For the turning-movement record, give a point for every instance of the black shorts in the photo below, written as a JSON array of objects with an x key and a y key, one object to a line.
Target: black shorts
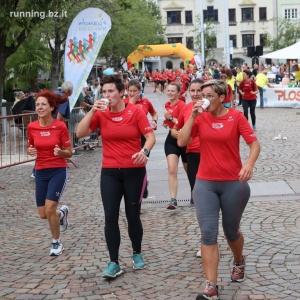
[
  {"x": 171, "y": 147},
  {"x": 161, "y": 82}
]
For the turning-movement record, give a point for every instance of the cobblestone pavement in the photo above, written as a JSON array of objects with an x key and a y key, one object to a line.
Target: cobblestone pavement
[{"x": 271, "y": 226}]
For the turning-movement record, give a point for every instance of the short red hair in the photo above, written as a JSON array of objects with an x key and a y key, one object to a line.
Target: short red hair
[{"x": 54, "y": 99}]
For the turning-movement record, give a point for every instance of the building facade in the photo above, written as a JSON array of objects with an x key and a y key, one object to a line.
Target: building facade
[{"x": 249, "y": 22}]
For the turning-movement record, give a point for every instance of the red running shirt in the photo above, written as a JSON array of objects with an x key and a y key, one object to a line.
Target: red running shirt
[
  {"x": 145, "y": 104},
  {"x": 121, "y": 135},
  {"x": 229, "y": 92},
  {"x": 247, "y": 88},
  {"x": 44, "y": 140},
  {"x": 174, "y": 111},
  {"x": 194, "y": 145},
  {"x": 220, "y": 139}
]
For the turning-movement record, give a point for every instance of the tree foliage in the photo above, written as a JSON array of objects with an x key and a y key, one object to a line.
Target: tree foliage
[
  {"x": 23, "y": 66},
  {"x": 210, "y": 36},
  {"x": 288, "y": 33},
  {"x": 141, "y": 25}
]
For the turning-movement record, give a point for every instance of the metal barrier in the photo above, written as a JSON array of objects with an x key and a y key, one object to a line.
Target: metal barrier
[{"x": 13, "y": 138}]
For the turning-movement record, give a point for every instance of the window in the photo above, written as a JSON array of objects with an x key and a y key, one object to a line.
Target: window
[
  {"x": 190, "y": 43},
  {"x": 291, "y": 13},
  {"x": 247, "y": 14},
  {"x": 232, "y": 17},
  {"x": 247, "y": 40},
  {"x": 174, "y": 40},
  {"x": 210, "y": 14},
  {"x": 233, "y": 39},
  {"x": 213, "y": 42},
  {"x": 262, "y": 14},
  {"x": 188, "y": 17},
  {"x": 262, "y": 39},
  {"x": 174, "y": 17}
]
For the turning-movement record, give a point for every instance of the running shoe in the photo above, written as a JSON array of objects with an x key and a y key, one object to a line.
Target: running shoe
[
  {"x": 75, "y": 153},
  {"x": 192, "y": 201},
  {"x": 57, "y": 249},
  {"x": 254, "y": 127},
  {"x": 32, "y": 176},
  {"x": 138, "y": 261},
  {"x": 198, "y": 253},
  {"x": 64, "y": 221},
  {"x": 210, "y": 292},
  {"x": 238, "y": 271},
  {"x": 172, "y": 204},
  {"x": 112, "y": 270},
  {"x": 145, "y": 194}
]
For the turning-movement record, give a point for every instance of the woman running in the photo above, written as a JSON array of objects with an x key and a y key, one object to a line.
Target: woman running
[
  {"x": 248, "y": 90},
  {"x": 123, "y": 172},
  {"x": 135, "y": 98},
  {"x": 172, "y": 110},
  {"x": 221, "y": 182},
  {"x": 192, "y": 149},
  {"x": 48, "y": 140}
]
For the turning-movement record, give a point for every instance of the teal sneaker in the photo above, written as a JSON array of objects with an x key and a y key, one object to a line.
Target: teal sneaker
[
  {"x": 172, "y": 204},
  {"x": 112, "y": 270},
  {"x": 138, "y": 261}
]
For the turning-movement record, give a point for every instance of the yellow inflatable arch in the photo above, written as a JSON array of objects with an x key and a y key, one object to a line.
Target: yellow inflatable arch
[{"x": 160, "y": 50}]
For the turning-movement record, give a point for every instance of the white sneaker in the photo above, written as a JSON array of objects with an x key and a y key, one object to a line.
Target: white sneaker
[
  {"x": 198, "y": 253},
  {"x": 32, "y": 176},
  {"x": 64, "y": 221},
  {"x": 57, "y": 249}
]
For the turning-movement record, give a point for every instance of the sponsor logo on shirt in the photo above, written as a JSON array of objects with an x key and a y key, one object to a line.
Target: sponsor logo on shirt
[
  {"x": 217, "y": 125},
  {"x": 45, "y": 133},
  {"x": 117, "y": 119},
  {"x": 148, "y": 128},
  {"x": 230, "y": 119},
  {"x": 170, "y": 110},
  {"x": 129, "y": 112}
]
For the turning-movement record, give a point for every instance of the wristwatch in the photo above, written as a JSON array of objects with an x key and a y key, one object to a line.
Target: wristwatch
[
  {"x": 145, "y": 151},
  {"x": 171, "y": 118}
]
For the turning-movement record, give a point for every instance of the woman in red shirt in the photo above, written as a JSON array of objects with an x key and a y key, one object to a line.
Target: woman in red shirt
[
  {"x": 48, "y": 140},
  {"x": 172, "y": 151},
  {"x": 221, "y": 182},
  {"x": 123, "y": 172},
  {"x": 248, "y": 90},
  {"x": 135, "y": 98}
]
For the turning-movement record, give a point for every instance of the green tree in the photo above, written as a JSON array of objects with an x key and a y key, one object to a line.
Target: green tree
[
  {"x": 210, "y": 36},
  {"x": 288, "y": 33},
  {"x": 141, "y": 25},
  {"x": 14, "y": 29},
  {"x": 23, "y": 66}
]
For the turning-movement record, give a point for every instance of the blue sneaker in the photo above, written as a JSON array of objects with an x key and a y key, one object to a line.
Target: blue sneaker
[
  {"x": 138, "y": 261},
  {"x": 172, "y": 204},
  {"x": 112, "y": 270}
]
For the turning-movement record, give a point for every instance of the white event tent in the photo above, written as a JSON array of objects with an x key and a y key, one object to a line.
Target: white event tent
[{"x": 290, "y": 52}]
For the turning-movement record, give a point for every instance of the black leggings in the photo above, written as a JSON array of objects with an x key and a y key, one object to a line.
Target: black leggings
[
  {"x": 193, "y": 160},
  {"x": 171, "y": 147},
  {"x": 114, "y": 184},
  {"x": 252, "y": 105}
]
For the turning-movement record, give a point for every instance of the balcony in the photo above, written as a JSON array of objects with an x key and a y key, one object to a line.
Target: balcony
[
  {"x": 172, "y": 29},
  {"x": 248, "y": 26}
]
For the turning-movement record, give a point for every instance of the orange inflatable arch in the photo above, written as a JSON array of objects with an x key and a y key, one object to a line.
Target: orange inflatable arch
[{"x": 160, "y": 50}]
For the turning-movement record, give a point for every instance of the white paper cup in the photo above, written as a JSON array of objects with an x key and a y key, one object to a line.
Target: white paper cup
[
  {"x": 105, "y": 104},
  {"x": 204, "y": 106}
]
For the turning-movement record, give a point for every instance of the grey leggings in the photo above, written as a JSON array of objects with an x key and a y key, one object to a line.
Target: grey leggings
[{"x": 211, "y": 196}]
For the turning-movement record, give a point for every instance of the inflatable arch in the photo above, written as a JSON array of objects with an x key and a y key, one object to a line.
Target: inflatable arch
[{"x": 160, "y": 50}]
